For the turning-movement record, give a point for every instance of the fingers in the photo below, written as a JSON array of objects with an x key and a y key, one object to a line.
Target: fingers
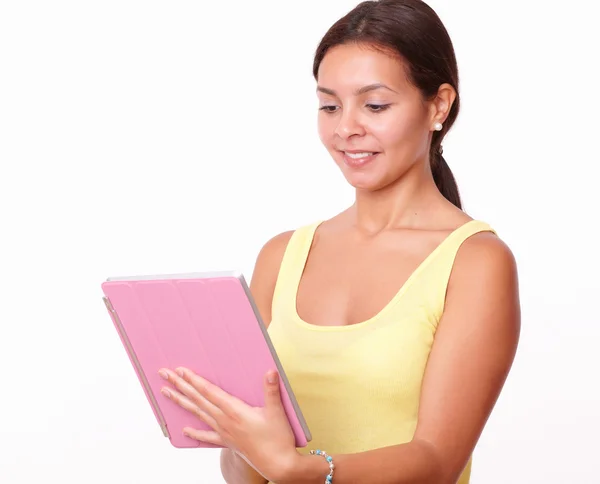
[
  {"x": 185, "y": 403},
  {"x": 189, "y": 395},
  {"x": 207, "y": 436},
  {"x": 272, "y": 392},
  {"x": 212, "y": 393}
]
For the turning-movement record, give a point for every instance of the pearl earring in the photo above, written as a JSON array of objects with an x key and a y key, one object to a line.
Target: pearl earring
[{"x": 438, "y": 126}]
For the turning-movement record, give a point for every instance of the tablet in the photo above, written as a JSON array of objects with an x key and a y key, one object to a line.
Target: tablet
[{"x": 207, "y": 322}]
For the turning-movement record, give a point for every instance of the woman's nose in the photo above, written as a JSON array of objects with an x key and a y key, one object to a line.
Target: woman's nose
[{"x": 349, "y": 125}]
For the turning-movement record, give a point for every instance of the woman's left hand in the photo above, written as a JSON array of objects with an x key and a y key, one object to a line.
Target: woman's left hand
[{"x": 260, "y": 435}]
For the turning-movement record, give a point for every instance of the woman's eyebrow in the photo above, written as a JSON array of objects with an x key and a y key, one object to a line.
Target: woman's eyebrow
[{"x": 362, "y": 90}]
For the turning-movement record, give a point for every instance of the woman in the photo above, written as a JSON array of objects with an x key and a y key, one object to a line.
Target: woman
[{"x": 397, "y": 320}]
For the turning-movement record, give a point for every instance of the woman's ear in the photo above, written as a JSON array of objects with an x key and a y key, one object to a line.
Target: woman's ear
[{"x": 441, "y": 104}]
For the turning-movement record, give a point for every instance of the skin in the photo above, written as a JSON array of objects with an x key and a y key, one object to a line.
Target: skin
[{"x": 397, "y": 219}]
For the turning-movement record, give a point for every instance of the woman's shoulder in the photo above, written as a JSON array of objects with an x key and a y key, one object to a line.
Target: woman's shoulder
[
  {"x": 477, "y": 249},
  {"x": 484, "y": 261},
  {"x": 266, "y": 270},
  {"x": 485, "y": 250},
  {"x": 480, "y": 244},
  {"x": 271, "y": 254}
]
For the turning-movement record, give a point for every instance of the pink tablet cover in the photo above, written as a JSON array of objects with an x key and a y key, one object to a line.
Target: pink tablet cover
[{"x": 205, "y": 324}]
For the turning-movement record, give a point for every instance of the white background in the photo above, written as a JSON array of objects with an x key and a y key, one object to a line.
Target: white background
[{"x": 139, "y": 137}]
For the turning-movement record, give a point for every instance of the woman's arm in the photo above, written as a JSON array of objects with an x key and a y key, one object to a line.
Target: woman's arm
[
  {"x": 234, "y": 469},
  {"x": 474, "y": 349}
]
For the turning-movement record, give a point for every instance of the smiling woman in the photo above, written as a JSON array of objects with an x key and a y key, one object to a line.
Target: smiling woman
[
  {"x": 397, "y": 320},
  {"x": 413, "y": 38}
]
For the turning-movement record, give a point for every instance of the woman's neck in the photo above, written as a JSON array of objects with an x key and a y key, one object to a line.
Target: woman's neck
[{"x": 410, "y": 202}]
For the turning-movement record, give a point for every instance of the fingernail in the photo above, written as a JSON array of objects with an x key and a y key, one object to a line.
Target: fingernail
[
  {"x": 179, "y": 371},
  {"x": 163, "y": 374},
  {"x": 272, "y": 378},
  {"x": 165, "y": 392}
]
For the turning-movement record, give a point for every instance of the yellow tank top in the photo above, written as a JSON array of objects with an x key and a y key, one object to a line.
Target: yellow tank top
[{"x": 358, "y": 386}]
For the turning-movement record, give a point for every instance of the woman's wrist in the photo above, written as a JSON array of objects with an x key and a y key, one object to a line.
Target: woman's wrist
[
  {"x": 236, "y": 470},
  {"x": 305, "y": 469},
  {"x": 228, "y": 467}
]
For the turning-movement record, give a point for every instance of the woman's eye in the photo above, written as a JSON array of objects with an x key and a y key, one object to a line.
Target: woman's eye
[
  {"x": 377, "y": 108},
  {"x": 328, "y": 109}
]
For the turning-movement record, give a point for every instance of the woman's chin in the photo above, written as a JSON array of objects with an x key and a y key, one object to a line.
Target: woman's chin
[
  {"x": 367, "y": 178},
  {"x": 364, "y": 182}
]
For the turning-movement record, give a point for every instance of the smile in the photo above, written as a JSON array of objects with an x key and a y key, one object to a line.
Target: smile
[{"x": 356, "y": 160}]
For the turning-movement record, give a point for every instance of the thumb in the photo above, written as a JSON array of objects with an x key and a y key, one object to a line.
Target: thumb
[{"x": 272, "y": 394}]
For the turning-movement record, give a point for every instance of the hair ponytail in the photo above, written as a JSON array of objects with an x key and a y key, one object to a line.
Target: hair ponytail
[{"x": 444, "y": 179}]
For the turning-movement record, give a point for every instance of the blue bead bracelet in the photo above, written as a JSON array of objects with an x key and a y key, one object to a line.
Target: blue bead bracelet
[{"x": 329, "y": 478}]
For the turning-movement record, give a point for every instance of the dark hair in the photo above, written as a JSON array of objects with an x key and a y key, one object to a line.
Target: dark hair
[{"x": 412, "y": 30}]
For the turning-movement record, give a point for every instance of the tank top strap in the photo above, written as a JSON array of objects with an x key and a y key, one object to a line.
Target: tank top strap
[
  {"x": 291, "y": 269},
  {"x": 449, "y": 248},
  {"x": 433, "y": 281}
]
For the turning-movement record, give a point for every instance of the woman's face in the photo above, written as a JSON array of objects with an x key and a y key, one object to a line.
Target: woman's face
[{"x": 373, "y": 122}]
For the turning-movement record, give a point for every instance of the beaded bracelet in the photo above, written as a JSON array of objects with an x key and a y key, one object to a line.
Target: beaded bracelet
[{"x": 328, "y": 458}]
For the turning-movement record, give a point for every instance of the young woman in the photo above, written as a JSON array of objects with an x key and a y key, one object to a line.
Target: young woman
[{"x": 397, "y": 320}]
